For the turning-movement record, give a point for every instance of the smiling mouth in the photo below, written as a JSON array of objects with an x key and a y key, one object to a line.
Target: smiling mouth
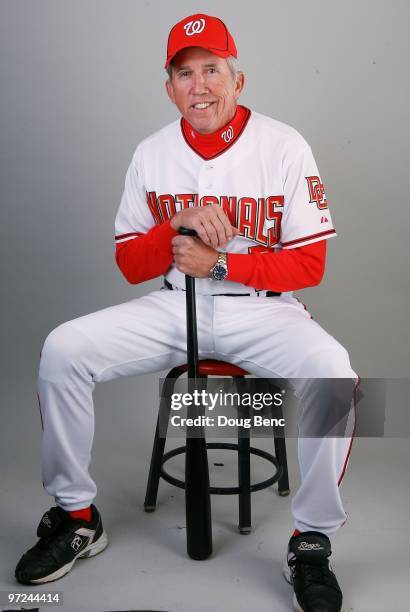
[{"x": 202, "y": 105}]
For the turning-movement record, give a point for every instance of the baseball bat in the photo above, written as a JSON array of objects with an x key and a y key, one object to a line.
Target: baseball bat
[{"x": 197, "y": 496}]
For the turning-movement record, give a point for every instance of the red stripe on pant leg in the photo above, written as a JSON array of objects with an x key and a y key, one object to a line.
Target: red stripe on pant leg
[
  {"x": 41, "y": 416},
  {"x": 354, "y": 430},
  {"x": 42, "y": 422},
  {"x": 305, "y": 307},
  {"x": 39, "y": 406}
]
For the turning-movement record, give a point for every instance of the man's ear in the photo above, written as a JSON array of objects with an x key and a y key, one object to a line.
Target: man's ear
[
  {"x": 170, "y": 90},
  {"x": 240, "y": 81}
]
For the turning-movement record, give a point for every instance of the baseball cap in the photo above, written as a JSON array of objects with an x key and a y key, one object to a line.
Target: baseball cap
[{"x": 200, "y": 31}]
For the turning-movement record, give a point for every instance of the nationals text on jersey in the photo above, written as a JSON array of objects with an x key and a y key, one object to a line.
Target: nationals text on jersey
[{"x": 246, "y": 213}]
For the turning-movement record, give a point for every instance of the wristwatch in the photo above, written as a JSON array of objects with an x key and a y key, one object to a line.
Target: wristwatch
[{"x": 220, "y": 270}]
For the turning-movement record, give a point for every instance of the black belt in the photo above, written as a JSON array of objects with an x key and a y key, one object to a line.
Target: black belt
[{"x": 257, "y": 293}]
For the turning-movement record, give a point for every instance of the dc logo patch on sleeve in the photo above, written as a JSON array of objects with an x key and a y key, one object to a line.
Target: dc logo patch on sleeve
[{"x": 317, "y": 192}]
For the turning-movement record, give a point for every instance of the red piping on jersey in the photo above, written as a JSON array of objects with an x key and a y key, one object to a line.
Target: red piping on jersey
[
  {"x": 321, "y": 234},
  {"x": 122, "y": 236},
  {"x": 209, "y": 146}
]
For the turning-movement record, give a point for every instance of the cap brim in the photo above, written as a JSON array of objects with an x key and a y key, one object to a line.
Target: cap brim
[{"x": 218, "y": 52}]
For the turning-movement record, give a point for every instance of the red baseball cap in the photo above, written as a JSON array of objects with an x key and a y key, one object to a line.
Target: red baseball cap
[{"x": 200, "y": 31}]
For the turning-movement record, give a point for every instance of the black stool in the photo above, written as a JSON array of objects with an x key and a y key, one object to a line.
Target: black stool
[{"x": 244, "y": 489}]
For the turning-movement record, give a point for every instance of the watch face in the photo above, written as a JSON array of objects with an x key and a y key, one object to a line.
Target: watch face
[{"x": 219, "y": 272}]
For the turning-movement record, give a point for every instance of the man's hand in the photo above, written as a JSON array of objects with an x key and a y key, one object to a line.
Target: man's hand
[
  {"x": 193, "y": 257},
  {"x": 210, "y": 223}
]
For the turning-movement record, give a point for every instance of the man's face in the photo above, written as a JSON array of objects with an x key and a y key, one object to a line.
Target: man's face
[{"x": 203, "y": 89}]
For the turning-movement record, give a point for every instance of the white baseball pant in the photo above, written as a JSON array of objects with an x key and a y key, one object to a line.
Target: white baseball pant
[{"x": 268, "y": 336}]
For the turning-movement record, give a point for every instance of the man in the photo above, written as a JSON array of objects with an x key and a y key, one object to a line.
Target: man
[{"x": 250, "y": 188}]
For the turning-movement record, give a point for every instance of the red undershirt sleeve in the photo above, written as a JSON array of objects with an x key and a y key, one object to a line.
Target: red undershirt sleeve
[
  {"x": 150, "y": 255},
  {"x": 147, "y": 255},
  {"x": 287, "y": 270}
]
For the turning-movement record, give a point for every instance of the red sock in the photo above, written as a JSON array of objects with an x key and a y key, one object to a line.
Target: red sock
[
  {"x": 85, "y": 514},
  {"x": 296, "y": 532}
]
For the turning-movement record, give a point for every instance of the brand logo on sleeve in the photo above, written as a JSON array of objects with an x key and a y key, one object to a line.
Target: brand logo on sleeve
[
  {"x": 194, "y": 27},
  {"x": 317, "y": 192}
]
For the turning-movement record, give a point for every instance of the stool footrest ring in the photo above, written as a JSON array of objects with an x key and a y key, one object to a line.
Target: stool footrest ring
[{"x": 225, "y": 490}]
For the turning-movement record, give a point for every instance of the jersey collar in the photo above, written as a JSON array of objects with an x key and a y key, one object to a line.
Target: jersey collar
[{"x": 209, "y": 146}]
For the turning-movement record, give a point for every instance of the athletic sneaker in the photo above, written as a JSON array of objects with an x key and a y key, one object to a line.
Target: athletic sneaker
[
  {"x": 62, "y": 541},
  {"x": 307, "y": 568}
]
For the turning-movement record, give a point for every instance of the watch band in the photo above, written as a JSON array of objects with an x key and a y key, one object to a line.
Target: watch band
[{"x": 220, "y": 269}]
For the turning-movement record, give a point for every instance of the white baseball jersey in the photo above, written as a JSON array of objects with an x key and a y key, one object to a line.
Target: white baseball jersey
[{"x": 267, "y": 182}]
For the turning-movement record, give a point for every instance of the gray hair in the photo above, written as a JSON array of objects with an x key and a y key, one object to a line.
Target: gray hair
[
  {"x": 231, "y": 61},
  {"x": 233, "y": 65}
]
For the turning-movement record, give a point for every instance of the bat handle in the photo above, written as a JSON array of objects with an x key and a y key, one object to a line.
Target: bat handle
[
  {"x": 186, "y": 231},
  {"x": 192, "y": 335}
]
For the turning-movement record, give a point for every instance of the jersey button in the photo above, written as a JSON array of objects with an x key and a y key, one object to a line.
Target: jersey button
[{"x": 209, "y": 167}]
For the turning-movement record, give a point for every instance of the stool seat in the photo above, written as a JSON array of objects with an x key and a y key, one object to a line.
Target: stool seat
[{"x": 213, "y": 367}]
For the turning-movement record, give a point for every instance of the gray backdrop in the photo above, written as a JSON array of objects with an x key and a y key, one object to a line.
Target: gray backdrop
[{"x": 83, "y": 82}]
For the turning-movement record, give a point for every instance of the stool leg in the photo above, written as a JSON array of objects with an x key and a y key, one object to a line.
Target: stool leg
[
  {"x": 244, "y": 473},
  {"x": 159, "y": 442},
  {"x": 280, "y": 452},
  {"x": 244, "y": 469}
]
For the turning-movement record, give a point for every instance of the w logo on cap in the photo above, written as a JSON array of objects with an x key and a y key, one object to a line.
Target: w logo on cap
[{"x": 194, "y": 27}]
